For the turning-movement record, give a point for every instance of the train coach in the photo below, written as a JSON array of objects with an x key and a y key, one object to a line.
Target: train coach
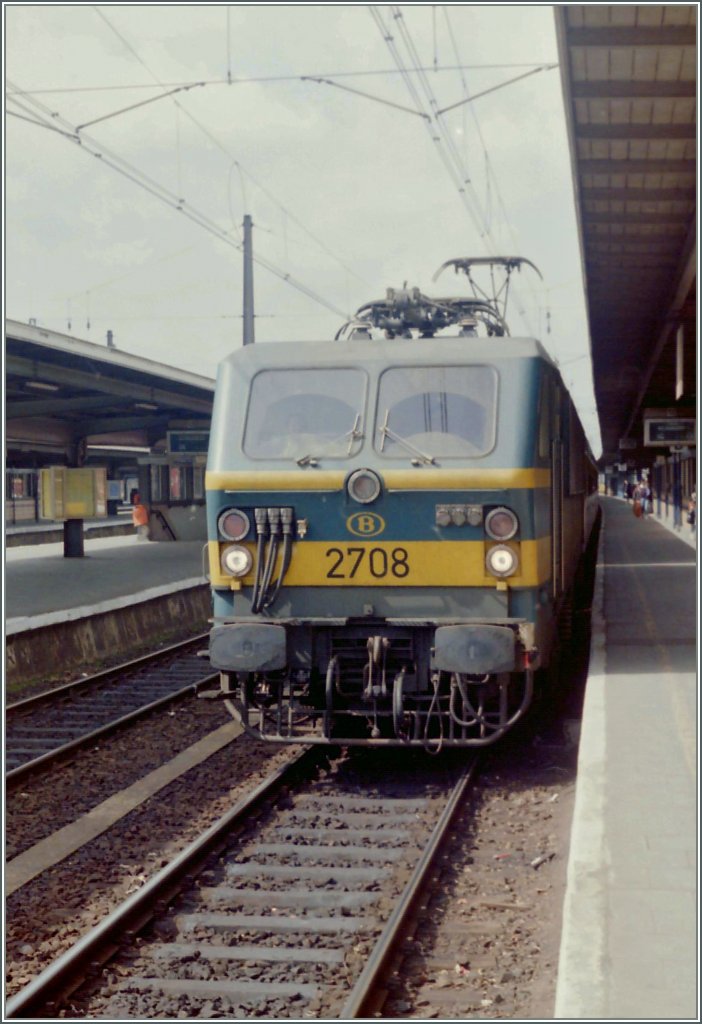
[{"x": 394, "y": 528}]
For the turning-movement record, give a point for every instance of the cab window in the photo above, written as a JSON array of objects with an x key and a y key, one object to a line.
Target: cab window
[
  {"x": 298, "y": 414},
  {"x": 436, "y": 410}
]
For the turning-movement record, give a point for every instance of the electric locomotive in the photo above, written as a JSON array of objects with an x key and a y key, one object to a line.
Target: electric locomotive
[{"x": 394, "y": 525}]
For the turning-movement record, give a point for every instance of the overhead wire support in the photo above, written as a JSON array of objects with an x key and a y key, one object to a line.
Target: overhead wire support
[
  {"x": 134, "y": 106},
  {"x": 366, "y": 95},
  {"x": 437, "y": 127},
  {"x": 160, "y": 192},
  {"x": 41, "y": 124},
  {"x": 223, "y": 149},
  {"x": 494, "y": 88},
  {"x": 437, "y": 130},
  {"x": 489, "y": 171}
]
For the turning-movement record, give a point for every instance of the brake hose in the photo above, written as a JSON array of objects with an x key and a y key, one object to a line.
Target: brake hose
[
  {"x": 286, "y": 515},
  {"x": 274, "y": 523},
  {"x": 261, "y": 523}
]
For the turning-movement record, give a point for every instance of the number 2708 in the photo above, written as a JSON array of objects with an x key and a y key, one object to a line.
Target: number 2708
[{"x": 347, "y": 562}]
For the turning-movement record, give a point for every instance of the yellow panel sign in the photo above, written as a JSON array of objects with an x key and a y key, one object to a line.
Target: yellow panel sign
[{"x": 73, "y": 493}]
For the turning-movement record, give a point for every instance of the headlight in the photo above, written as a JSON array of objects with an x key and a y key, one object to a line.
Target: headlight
[
  {"x": 501, "y": 561},
  {"x": 501, "y": 523},
  {"x": 236, "y": 560},
  {"x": 233, "y": 524},
  {"x": 364, "y": 486}
]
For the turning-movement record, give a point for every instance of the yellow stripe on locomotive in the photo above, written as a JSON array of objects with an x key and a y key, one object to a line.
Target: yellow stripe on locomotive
[{"x": 428, "y": 563}]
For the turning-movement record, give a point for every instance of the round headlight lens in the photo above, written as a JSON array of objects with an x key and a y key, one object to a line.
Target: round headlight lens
[
  {"x": 364, "y": 486},
  {"x": 236, "y": 560},
  {"x": 501, "y": 561},
  {"x": 233, "y": 524},
  {"x": 501, "y": 523}
]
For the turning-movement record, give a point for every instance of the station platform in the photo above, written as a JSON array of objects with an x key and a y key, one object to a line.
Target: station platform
[
  {"x": 44, "y": 532},
  {"x": 42, "y": 587},
  {"x": 629, "y": 948}
]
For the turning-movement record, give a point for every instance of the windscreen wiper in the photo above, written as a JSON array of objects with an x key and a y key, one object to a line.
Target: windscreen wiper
[
  {"x": 385, "y": 431},
  {"x": 354, "y": 434}
]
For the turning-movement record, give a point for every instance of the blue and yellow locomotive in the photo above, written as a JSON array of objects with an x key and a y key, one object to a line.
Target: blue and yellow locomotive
[{"x": 394, "y": 527}]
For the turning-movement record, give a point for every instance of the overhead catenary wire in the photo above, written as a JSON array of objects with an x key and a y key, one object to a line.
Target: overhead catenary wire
[
  {"x": 458, "y": 175},
  {"x": 451, "y": 157},
  {"x": 233, "y": 197},
  {"x": 130, "y": 273},
  {"x": 166, "y": 196},
  {"x": 31, "y": 120},
  {"x": 490, "y": 172},
  {"x": 223, "y": 149},
  {"x": 259, "y": 79}
]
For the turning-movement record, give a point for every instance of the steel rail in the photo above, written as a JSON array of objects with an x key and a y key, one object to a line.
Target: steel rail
[
  {"x": 362, "y": 1002},
  {"x": 22, "y": 771},
  {"x": 69, "y": 971},
  {"x": 76, "y": 685}
]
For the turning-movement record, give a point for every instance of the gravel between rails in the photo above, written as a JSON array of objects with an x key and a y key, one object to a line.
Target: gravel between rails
[
  {"x": 488, "y": 948},
  {"x": 47, "y": 915}
]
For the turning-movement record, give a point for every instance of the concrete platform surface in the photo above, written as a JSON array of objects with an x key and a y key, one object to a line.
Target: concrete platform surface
[
  {"x": 40, "y": 582},
  {"x": 44, "y": 526},
  {"x": 630, "y": 943}
]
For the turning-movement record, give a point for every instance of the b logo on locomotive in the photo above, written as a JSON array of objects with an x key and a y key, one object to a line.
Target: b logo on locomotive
[{"x": 365, "y": 524}]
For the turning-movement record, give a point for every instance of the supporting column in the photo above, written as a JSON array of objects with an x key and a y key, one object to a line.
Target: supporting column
[
  {"x": 73, "y": 538},
  {"x": 248, "y": 333}
]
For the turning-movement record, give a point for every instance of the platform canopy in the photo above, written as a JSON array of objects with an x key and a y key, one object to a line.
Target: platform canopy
[
  {"x": 63, "y": 394},
  {"x": 629, "y": 78}
]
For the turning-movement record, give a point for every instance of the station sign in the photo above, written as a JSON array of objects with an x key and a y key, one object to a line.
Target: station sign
[
  {"x": 662, "y": 432},
  {"x": 187, "y": 441}
]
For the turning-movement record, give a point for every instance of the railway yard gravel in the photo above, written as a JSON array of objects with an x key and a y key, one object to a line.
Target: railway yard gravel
[
  {"x": 47, "y": 915},
  {"x": 487, "y": 948}
]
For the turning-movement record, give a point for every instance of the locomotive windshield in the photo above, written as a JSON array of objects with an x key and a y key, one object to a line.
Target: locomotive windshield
[
  {"x": 437, "y": 411},
  {"x": 303, "y": 414}
]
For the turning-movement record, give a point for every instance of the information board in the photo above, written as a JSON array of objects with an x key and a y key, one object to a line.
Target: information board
[{"x": 669, "y": 431}]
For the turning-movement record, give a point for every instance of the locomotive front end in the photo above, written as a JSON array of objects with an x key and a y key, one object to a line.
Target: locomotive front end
[{"x": 375, "y": 570}]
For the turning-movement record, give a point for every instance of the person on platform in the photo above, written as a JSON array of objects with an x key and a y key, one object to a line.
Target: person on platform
[
  {"x": 140, "y": 515},
  {"x": 692, "y": 511}
]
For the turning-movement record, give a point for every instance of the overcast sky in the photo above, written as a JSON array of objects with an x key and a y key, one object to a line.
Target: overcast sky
[{"x": 348, "y": 195}]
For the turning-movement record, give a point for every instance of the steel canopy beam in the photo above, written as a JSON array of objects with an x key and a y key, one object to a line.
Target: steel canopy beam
[
  {"x": 608, "y": 36},
  {"x": 635, "y": 131},
  {"x": 588, "y": 165},
  {"x": 624, "y": 217},
  {"x": 32, "y": 369},
  {"x": 49, "y": 406},
  {"x": 633, "y": 90},
  {"x": 686, "y": 271},
  {"x": 682, "y": 194}
]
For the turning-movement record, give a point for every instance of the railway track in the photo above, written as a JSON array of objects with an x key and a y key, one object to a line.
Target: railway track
[
  {"x": 291, "y": 905},
  {"x": 51, "y": 725}
]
